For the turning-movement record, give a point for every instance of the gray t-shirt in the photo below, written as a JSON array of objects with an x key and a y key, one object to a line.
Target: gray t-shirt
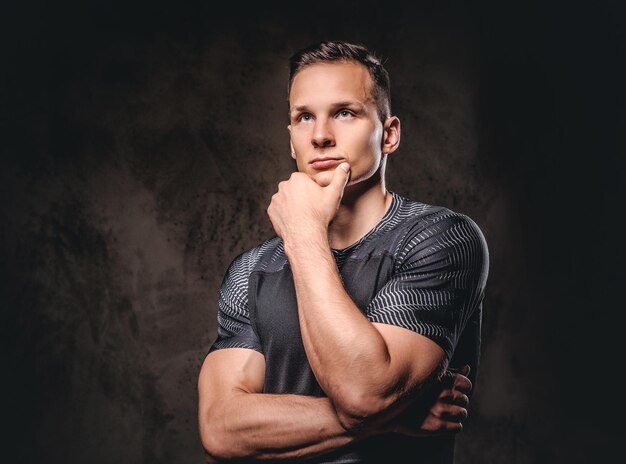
[{"x": 422, "y": 267}]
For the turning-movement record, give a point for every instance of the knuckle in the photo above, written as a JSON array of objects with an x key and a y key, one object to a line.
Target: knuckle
[
  {"x": 463, "y": 388},
  {"x": 462, "y": 382},
  {"x": 458, "y": 397},
  {"x": 449, "y": 410},
  {"x": 447, "y": 396}
]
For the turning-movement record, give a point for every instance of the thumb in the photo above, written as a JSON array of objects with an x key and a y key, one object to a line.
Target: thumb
[
  {"x": 340, "y": 176},
  {"x": 465, "y": 370}
]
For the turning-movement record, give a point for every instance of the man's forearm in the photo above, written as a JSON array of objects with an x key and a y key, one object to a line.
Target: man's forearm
[
  {"x": 347, "y": 353},
  {"x": 259, "y": 426}
]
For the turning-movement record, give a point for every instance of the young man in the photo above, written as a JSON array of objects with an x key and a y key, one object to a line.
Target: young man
[{"x": 334, "y": 335}]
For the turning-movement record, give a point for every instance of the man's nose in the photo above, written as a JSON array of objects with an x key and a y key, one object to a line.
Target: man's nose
[{"x": 323, "y": 135}]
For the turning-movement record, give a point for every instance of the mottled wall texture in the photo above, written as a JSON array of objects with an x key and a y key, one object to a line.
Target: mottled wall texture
[{"x": 142, "y": 141}]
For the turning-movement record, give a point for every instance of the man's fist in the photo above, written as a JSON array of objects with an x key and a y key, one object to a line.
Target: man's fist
[{"x": 301, "y": 208}]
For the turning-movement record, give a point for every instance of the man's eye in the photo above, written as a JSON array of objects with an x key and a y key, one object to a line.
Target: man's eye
[
  {"x": 305, "y": 117},
  {"x": 345, "y": 113}
]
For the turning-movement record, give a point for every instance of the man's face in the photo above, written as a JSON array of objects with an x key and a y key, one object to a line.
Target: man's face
[{"x": 333, "y": 118}]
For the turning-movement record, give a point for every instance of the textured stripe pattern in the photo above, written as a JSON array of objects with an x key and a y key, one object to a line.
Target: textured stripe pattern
[
  {"x": 233, "y": 317},
  {"x": 440, "y": 268},
  {"x": 439, "y": 276}
]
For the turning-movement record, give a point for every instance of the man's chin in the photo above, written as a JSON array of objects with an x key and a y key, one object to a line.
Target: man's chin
[{"x": 323, "y": 178}]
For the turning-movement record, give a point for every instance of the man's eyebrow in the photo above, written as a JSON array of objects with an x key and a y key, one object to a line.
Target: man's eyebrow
[
  {"x": 298, "y": 108},
  {"x": 340, "y": 104},
  {"x": 352, "y": 103}
]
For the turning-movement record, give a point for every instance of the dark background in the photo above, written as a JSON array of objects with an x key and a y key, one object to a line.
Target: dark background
[{"x": 142, "y": 141}]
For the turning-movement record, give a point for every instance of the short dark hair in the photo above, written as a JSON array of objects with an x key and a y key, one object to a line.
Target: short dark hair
[{"x": 331, "y": 51}]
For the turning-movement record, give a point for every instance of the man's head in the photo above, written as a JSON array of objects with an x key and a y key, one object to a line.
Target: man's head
[
  {"x": 339, "y": 112},
  {"x": 337, "y": 51}
]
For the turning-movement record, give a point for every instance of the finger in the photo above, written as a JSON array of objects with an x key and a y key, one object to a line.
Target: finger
[
  {"x": 466, "y": 370},
  {"x": 451, "y": 396},
  {"x": 434, "y": 426},
  {"x": 462, "y": 383},
  {"x": 457, "y": 397},
  {"x": 340, "y": 177},
  {"x": 450, "y": 412},
  {"x": 455, "y": 414}
]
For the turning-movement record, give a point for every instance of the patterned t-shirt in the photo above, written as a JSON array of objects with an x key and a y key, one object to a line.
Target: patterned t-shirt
[{"x": 422, "y": 267}]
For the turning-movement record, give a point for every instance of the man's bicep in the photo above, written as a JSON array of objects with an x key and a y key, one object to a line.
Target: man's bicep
[
  {"x": 225, "y": 375},
  {"x": 228, "y": 371},
  {"x": 414, "y": 358}
]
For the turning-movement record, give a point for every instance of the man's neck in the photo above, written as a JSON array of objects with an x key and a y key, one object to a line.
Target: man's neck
[{"x": 361, "y": 209}]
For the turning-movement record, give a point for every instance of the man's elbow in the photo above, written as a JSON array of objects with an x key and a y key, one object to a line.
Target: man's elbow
[
  {"x": 217, "y": 447},
  {"x": 212, "y": 446},
  {"x": 357, "y": 412}
]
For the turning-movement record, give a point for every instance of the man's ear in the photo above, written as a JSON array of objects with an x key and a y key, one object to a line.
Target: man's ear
[
  {"x": 391, "y": 135},
  {"x": 293, "y": 151}
]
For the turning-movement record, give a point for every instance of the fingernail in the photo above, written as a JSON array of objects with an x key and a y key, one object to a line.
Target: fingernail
[{"x": 345, "y": 166}]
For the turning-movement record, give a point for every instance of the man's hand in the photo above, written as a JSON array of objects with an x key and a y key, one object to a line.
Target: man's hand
[
  {"x": 446, "y": 414},
  {"x": 302, "y": 208}
]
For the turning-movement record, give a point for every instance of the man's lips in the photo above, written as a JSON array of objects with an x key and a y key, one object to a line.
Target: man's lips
[{"x": 325, "y": 163}]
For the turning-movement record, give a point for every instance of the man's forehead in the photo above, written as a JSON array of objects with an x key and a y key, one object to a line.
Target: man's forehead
[{"x": 331, "y": 83}]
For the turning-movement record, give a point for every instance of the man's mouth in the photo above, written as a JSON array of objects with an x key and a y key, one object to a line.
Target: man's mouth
[{"x": 325, "y": 162}]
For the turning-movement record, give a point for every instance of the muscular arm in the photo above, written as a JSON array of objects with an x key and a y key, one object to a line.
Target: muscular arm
[
  {"x": 237, "y": 421},
  {"x": 371, "y": 372}
]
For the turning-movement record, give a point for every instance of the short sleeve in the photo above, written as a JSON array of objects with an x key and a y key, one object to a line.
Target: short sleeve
[
  {"x": 438, "y": 280},
  {"x": 234, "y": 328}
]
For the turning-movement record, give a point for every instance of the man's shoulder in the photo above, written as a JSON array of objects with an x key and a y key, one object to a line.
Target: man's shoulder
[
  {"x": 418, "y": 218},
  {"x": 411, "y": 211},
  {"x": 441, "y": 234},
  {"x": 261, "y": 256}
]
